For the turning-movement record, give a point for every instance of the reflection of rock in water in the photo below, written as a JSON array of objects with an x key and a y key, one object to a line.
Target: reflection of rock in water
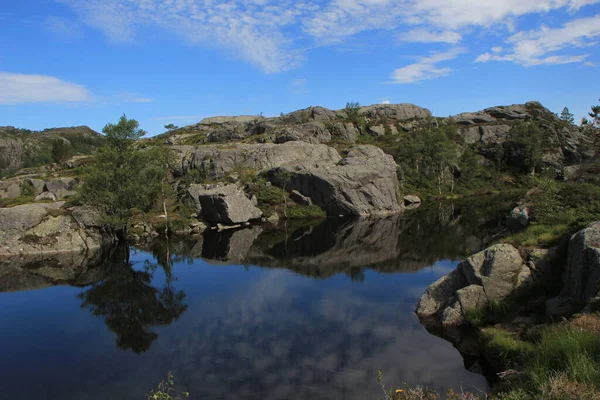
[
  {"x": 400, "y": 243},
  {"x": 39, "y": 271},
  {"x": 230, "y": 246}
]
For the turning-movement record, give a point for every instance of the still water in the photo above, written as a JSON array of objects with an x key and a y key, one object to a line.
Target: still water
[{"x": 289, "y": 313}]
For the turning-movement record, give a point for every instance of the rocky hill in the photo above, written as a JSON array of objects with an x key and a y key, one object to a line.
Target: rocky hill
[{"x": 23, "y": 148}]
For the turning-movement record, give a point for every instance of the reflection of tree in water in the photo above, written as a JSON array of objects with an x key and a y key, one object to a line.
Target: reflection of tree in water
[{"x": 130, "y": 305}]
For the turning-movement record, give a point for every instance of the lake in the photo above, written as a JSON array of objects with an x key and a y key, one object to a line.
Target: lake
[{"x": 293, "y": 312}]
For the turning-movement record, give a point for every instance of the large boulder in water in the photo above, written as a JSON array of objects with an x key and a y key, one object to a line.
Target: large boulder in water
[
  {"x": 492, "y": 274},
  {"x": 363, "y": 183},
  {"x": 226, "y": 205}
]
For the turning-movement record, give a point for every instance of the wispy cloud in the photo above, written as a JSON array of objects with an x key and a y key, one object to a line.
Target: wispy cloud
[
  {"x": 537, "y": 47},
  {"x": 422, "y": 35},
  {"x": 23, "y": 88},
  {"x": 426, "y": 67},
  {"x": 273, "y": 35},
  {"x": 385, "y": 102}
]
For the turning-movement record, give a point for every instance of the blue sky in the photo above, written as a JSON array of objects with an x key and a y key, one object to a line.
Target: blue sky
[{"x": 86, "y": 62}]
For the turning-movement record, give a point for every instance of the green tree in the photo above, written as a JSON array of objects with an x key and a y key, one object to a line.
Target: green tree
[
  {"x": 595, "y": 115},
  {"x": 352, "y": 111},
  {"x": 523, "y": 149},
  {"x": 61, "y": 151},
  {"x": 171, "y": 127},
  {"x": 124, "y": 178},
  {"x": 566, "y": 116}
]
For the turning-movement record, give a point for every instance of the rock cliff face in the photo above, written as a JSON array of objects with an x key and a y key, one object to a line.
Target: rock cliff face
[{"x": 566, "y": 144}]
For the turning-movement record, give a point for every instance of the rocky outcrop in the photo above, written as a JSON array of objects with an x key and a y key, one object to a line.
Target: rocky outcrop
[
  {"x": 564, "y": 144},
  {"x": 363, "y": 183},
  {"x": 19, "y": 146},
  {"x": 47, "y": 228},
  {"x": 49, "y": 189},
  {"x": 224, "y": 205},
  {"x": 395, "y": 112},
  {"x": 215, "y": 162},
  {"x": 490, "y": 275},
  {"x": 581, "y": 279}
]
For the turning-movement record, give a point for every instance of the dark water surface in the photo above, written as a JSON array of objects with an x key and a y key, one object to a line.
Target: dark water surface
[{"x": 262, "y": 313}]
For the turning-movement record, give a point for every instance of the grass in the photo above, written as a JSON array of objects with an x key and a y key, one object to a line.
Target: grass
[
  {"x": 543, "y": 235},
  {"x": 505, "y": 347},
  {"x": 566, "y": 350}
]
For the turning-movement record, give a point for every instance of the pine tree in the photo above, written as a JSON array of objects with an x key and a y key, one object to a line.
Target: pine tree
[{"x": 566, "y": 116}]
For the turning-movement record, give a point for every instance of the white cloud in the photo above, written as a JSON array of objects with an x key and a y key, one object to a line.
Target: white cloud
[
  {"x": 273, "y": 34},
  {"x": 426, "y": 67},
  {"x": 537, "y": 47},
  {"x": 497, "y": 49},
  {"x": 385, "y": 102},
  {"x": 22, "y": 88},
  {"x": 248, "y": 29},
  {"x": 422, "y": 35}
]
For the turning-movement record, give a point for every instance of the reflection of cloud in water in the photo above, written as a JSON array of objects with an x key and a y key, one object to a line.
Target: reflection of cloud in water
[{"x": 282, "y": 337}]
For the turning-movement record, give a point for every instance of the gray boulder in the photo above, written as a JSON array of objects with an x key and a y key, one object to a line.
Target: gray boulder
[
  {"x": 496, "y": 269},
  {"x": 439, "y": 293},
  {"x": 227, "y": 205},
  {"x": 488, "y": 275},
  {"x": 46, "y": 228},
  {"x": 345, "y": 131},
  {"x": 38, "y": 185},
  {"x": 61, "y": 187},
  {"x": 45, "y": 196},
  {"x": 363, "y": 183}
]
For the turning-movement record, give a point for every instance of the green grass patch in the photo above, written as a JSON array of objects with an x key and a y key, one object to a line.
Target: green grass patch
[
  {"x": 539, "y": 235},
  {"x": 505, "y": 347},
  {"x": 566, "y": 349}
]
